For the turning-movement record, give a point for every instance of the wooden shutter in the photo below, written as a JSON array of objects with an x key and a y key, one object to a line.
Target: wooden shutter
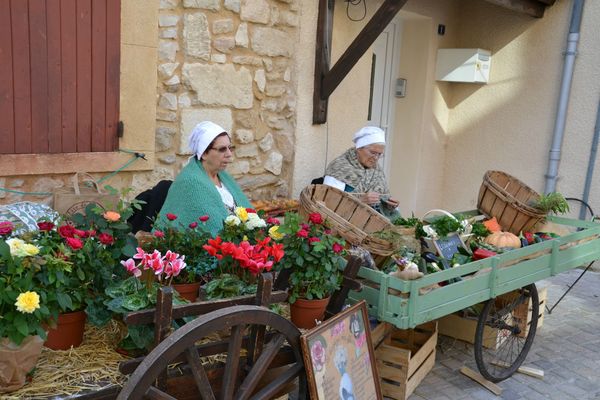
[{"x": 59, "y": 75}]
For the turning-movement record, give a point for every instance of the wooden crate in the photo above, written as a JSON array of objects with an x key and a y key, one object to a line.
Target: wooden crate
[
  {"x": 463, "y": 327},
  {"x": 403, "y": 357}
]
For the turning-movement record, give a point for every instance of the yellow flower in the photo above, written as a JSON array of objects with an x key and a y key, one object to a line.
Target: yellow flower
[
  {"x": 274, "y": 233},
  {"x": 111, "y": 216},
  {"x": 241, "y": 213},
  {"x": 30, "y": 249},
  {"x": 28, "y": 302}
]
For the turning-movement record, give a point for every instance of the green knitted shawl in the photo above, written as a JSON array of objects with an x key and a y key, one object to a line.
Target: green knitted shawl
[{"x": 193, "y": 194}]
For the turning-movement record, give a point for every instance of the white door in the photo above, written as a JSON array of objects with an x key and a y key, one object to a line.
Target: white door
[{"x": 383, "y": 66}]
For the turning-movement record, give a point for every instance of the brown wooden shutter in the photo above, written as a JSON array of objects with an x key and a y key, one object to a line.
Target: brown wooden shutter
[{"x": 59, "y": 75}]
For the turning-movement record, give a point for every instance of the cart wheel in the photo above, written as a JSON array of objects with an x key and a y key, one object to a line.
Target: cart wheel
[
  {"x": 503, "y": 336},
  {"x": 239, "y": 377}
]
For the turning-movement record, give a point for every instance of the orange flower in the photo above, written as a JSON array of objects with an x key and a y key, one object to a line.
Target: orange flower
[{"x": 111, "y": 216}]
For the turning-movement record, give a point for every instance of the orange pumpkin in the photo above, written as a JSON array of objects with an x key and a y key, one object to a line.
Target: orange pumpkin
[
  {"x": 492, "y": 225},
  {"x": 503, "y": 239}
]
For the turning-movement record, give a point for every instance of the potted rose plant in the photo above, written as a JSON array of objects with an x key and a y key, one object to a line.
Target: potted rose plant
[
  {"x": 315, "y": 258},
  {"x": 27, "y": 305}
]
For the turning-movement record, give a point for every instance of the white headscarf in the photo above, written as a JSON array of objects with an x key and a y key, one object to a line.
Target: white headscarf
[
  {"x": 369, "y": 135},
  {"x": 202, "y": 136}
]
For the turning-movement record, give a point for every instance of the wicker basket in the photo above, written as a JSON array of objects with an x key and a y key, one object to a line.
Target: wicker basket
[
  {"x": 350, "y": 218},
  {"x": 507, "y": 198}
]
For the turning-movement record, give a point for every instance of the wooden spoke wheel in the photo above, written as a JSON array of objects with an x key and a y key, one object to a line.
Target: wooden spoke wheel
[
  {"x": 262, "y": 358},
  {"x": 505, "y": 332}
]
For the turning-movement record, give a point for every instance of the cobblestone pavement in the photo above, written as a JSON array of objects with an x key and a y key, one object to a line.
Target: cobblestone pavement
[{"x": 566, "y": 348}]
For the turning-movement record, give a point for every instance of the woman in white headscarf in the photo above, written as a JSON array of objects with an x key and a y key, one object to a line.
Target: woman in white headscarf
[
  {"x": 203, "y": 188},
  {"x": 357, "y": 170}
]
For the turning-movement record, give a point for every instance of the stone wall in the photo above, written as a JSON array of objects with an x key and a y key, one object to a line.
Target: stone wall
[{"x": 230, "y": 61}]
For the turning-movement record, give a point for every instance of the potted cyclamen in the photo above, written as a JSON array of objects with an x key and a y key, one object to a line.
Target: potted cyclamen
[
  {"x": 315, "y": 258},
  {"x": 186, "y": 241}
]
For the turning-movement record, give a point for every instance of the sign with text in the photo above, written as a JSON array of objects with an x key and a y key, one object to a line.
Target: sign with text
[{"x": 448, "y": 246}]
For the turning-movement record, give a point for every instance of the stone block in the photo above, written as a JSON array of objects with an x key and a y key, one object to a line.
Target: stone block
[
  {"x": 169, "y": 160},
  {"x": 196, "y": 36},
  {"x": 168, "y": 116},
  {"x": 164, "y": 137},
  {"x": 168, "y": 101},
  {"x": 223, "y": 26},
  {"x": 167, "y": 20},
  {"x": 256, "y": 181},
  {"x": 274, "y": 163},
  {"x": 191, "y": 117},
  {"x": 206, "y": 4},
  {"x": 218, "y": 58},
  {"x": 285, "y": 144},
  {"x": 247, "y": 60},
  {"x": 220, "y": 84},
  {"x": 241, "y": 36},
  {"x": 167, "y": 70},
  {"x": 224, "y": 44},
  {"x": 266, "y": 143},
  {"x": 237, "y": 168},
  {"x": 271, "y": 42},
  {"x": 246, "y": 150},
  {"x": 167, "y": 50},
  {"x": 147, "y": 180},
  {"x": 168, "y": 4},
  {"x": 185, "y": 101},
  {"x": 232, "y": 5},
  {"x": 260, "y": 79},
  {"x": 168, "y": 33},
  {"x": 255, "y": 11},
  {"x": 275, "y": 90},
  {"x": 172, "y": 81},
  {"x": 244, "y": 136}
]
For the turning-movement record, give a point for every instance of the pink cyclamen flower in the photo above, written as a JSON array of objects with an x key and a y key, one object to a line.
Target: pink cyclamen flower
[
  {"x": 174, "y": 268},
  {"x": 159, "y": 234},
  {"x": 204, "y": 218},
  {"x": 273, "y": 221},
  {"x": 314, "y": 240},
  {"x": 193, "y": 225},
  {"x": 131, "y": 267},
  {"x": 6, "y": 228},
  {"x": 316, "y": 218},
  {"x": 302, "y": 233}
]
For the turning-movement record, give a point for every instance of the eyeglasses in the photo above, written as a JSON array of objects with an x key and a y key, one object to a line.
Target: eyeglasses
[
  {"x": 223, "y": 149},
  {"x": 373, "y": 154}
]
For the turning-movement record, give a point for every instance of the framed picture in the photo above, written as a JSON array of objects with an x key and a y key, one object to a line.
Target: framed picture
[{"x": 339, "y": 358}]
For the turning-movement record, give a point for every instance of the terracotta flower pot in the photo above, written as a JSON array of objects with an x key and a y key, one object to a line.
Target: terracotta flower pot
[
  {"x": 188, "y": 291},
  {"x": 304, "y": 312},
  {"x": 68, "y": 332},
  {"x": 17, "y": 361}
]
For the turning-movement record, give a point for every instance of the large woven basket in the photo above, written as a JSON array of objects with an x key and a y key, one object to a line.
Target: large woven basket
[
  {"x": 350, "y": 218},
  {"x": 507, "y": 198}
]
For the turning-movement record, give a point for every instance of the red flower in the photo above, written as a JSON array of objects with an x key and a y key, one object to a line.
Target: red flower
[
  {"x": 315, "y": 218},
  {"x": 171, "y": 217},
  {"x": 79, "y": 233},
  {"x": 251, "y": 210},
  {"x": 302, "y": 233},
  {"x": 66, "y": 231},
  {"x": 277, "y": 252},
  {"x": 327, "y": 231},
  {"x": 159, "y": 234},
  {"x": 203, "y": 218},
  {"x": 273, "y": 221},
  {"x": 90, "y": 233},
  {"x": 337, "y": 248},
  {"x": 106, "y": 238},
  {"x": 193, "y": 225},
  {"x": 6, "y": 228},
  {"x": 74, "y": 243},
  {"x": 313, "y": 240},
  {"x": 45, "y": 226}
]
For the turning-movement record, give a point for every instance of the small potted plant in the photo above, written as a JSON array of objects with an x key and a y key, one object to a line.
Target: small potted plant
[
  {"x": 187, "y": 241},
  {"x": 315, "y": 258},
  {"x": 27, "y": 306}
]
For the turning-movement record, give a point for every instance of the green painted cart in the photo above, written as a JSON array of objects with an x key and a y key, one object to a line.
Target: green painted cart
[{"x": 407, "y": 304}]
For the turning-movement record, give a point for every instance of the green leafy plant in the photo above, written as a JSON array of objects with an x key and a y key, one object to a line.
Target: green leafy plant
[
  {"x": 551, "y": 202},
  {"x": 411, "y": 222},
  {"x": 314, "y": 256}
]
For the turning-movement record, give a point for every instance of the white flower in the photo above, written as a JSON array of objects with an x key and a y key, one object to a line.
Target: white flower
[
  {"x": 232, "y": 220},
  {"x": 466, "y": 226},
  {"x": 254, "y": 221},
  {"x": 430, "y": 231},
  {"x": 18, "y": 248}
]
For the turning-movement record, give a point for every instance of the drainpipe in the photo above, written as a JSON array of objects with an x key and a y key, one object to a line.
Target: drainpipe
[
  {"x": 563, "y": 99},
  {"x": 591, "y": 162}
]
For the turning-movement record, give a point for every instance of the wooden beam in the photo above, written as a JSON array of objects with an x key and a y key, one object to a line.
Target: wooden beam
[
  {"x": 384, "y": 15},
  {"x": 534, "y": 8},
  {"x": 322, "y": 61}
]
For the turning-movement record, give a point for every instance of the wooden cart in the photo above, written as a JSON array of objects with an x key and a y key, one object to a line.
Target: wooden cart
[{"x": 407, "y": 304}]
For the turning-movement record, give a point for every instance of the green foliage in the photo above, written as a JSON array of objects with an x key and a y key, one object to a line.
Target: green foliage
[
  {"x": 228, "y": 285},
  {"x": 444, "y": 225},
  {"x": 314, "y": 256},
  {"x": 479, "y": 230},
  {"x": 552, "y": 202},
  {"x": 411, "y": 222}
]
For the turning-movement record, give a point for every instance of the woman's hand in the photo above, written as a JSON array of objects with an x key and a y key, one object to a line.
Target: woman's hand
[
  {"x": 370, "y": 198},
  {"x": 391, "y": 203}
]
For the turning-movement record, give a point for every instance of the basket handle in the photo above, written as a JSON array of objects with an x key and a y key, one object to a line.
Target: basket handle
[{"x": 437, "y": 210}]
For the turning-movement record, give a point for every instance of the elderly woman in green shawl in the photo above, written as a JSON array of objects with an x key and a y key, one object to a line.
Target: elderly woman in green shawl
[
  {"x": 203, "y": 187},
  {"x": 357, "y": 170}
]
